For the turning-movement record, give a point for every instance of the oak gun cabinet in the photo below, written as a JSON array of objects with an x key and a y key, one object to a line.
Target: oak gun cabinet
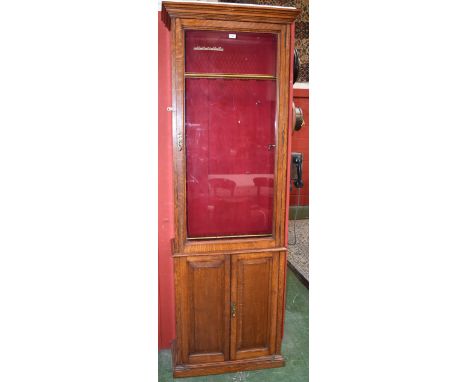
[{"x": 231, "y": 82}]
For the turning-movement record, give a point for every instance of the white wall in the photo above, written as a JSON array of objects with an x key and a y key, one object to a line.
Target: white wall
[
  {"x": 389, "y": 186},
  {"x": 159, "y": 2}
]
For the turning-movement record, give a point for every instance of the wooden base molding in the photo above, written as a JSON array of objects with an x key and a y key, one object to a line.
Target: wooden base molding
[{"x": 267, "y": 362}]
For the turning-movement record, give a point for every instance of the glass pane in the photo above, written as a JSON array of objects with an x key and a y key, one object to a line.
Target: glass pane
[
  {"x": 230, "y": 132},
  {"x": 230, "y": 52},
  {"x": 230, "y": 143}
]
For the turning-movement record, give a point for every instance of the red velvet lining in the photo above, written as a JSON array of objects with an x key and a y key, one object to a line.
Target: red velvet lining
[{"x": 230, "y": 138}]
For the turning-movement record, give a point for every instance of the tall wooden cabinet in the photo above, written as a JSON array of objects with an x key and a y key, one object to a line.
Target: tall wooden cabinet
[{"x": 231, "y": 79}]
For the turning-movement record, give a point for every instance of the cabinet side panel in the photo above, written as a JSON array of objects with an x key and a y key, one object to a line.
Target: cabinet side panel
[
  {"x": 166, "y": 306},
  {"x": 180, "y": 272},
  {"x": 280, "y": 300}
]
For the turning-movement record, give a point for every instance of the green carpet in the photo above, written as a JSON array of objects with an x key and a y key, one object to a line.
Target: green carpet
[{"x": 295, "y": 346}]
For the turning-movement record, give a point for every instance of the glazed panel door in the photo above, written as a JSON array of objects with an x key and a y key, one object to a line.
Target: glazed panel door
[
  {"x": 254, "y": 296},
  {"x": 230, "y": 133},
  {"x": 205, "y": 282}
]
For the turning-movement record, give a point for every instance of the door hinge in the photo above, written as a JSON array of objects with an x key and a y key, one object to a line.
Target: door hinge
[
  {"x": 233, "y": 309},
  {"x": 179, "y": 141}
]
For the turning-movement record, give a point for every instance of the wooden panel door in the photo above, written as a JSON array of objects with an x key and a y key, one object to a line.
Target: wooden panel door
[
  {"x": 205, "y": 314},
  {"x": 254, "y": 297}
]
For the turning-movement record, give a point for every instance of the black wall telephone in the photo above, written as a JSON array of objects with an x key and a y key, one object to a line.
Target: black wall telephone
[{"x": 296, "y": 170}]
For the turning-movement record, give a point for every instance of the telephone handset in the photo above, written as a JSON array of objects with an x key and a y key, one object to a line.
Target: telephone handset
[{"x": 296, "y": 170}]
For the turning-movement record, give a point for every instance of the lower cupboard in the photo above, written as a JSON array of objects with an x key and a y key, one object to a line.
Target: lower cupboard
[{"x": 229, "y": 312}]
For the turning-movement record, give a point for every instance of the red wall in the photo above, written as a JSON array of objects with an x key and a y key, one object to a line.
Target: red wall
[
  {"x": 300, "y": 143},
  {"x": 166, "y": 311}
]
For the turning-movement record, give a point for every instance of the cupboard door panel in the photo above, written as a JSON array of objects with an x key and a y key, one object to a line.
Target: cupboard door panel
[
  {"x": 254, "y": 305},
  {"x": 207, "y": 309}
]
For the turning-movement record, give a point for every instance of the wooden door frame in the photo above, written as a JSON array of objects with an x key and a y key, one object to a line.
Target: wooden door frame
[{"x": 277, "y": 239}]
